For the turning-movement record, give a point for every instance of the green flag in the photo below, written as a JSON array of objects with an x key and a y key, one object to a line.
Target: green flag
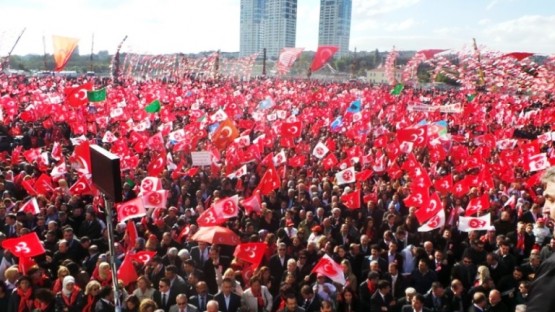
[
  {"x": 470, "y": 97},
  {"x": 397, "y": 90},
  {"x": 97, "y": 95},
  {"x": 153, "y": 107}
]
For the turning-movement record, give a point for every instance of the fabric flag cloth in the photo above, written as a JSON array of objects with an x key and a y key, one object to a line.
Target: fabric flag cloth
[
  {"x": 126, "y": 272},
  {"x": 351, "y": 200},
  {"x": 430, "y": 53},
  {"x": 97, "y": 95},
  {"x": 63, "y": 48},
  {"x": 209, "y": 218},
  {"x": 155, "y": 199},
  {"x": 252, "y": 204},
  {"x": 143, "y": 257},
  {"x": 346, "y": 176},
  {"x": 31, "y": 206},
  {"x": 150, "y": 184},
  {"x": 435, "y": 222},
  {"x": 329, "y": 268},
  {"x": 77, "y": 96},
  {"x": 251, "y": 252},
  {"x": 467, "y": 224},
  {"x": 397, "y": 89},
  {"x": 227, "y": 207},
  {"x": 519, "y": 56},
  {"x": 322, "y": 56},
  {"x": 477, "y": 204},
  {"x": 28, "y": 245},
  {"x": 132, "y": 234},
  {"x": 355, "y": 106},
  {"x": 131, "y": 209},
  {"x": 269, "y": 182},
  {"x": 320, "y": 150},
  {"x": 153, "y": 107},
  {"x": 286, "y": 58},
  {"x": 426, "y": 212}
]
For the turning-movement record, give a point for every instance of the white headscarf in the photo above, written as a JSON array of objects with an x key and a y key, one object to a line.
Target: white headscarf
[{"x": 68, "y": 279}]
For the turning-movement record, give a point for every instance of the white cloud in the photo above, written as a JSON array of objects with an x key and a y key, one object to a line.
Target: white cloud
[
  {"x": 401, "y": 26},
  {"x": 372, "y": 8}
]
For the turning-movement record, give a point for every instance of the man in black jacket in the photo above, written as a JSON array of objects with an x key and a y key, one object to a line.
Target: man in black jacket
[{"x": 227, "y": 300}]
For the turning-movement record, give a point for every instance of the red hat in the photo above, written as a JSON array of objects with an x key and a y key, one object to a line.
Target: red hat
[
  {"x": 542, "y": 220},
  {"x": 289, "y": 223},
  {"x": 316, "y": 228}
]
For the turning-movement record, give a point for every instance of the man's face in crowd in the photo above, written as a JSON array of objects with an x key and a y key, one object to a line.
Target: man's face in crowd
[{"x": 291, "y": 304}]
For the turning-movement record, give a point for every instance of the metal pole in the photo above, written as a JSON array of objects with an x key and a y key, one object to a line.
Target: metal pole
[{"x": 110, "y": 229}]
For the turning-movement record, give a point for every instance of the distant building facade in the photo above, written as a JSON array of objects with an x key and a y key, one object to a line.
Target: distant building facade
[
  {"x": 335, "y": 24},
  {"x": 270, "y": 24},
  {"x": 378, "y": 76}
]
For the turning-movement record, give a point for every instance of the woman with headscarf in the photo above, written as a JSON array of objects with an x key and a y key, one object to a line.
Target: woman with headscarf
[
  {"x": 63, "y": 271},
  {"x": 21, "y": 299},
  {"x": 70, "y": 298},
  {"x": 91, "y": 295},
  {"x": 103, "y": 274}
]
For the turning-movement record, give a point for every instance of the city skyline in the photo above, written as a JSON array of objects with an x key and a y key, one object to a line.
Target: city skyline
[{"x": 169, "y": 26}]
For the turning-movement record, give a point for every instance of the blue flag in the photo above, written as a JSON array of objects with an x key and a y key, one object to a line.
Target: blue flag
[
  {"x": 337, "y": 124},
  {"x": 213, "y": 127},
  {"x": 355, "y": 106},
  {"x": 265, "y": 104}
]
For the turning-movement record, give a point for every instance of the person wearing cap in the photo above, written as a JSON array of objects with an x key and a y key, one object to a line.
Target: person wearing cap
[
  {"x": 290, "y": 228},
  {"x": 70, "y": 298}
]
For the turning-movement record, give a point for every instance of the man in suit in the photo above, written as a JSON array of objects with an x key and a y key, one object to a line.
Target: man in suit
[
  {"x": 277, "y": 266},
  {"x": 163, "y": 296},
  {"x": 227, "y": 300},
  {"x": 382, "y": 300},
  {"x": 375, "y": 253},
  {"x": 435, "y": 300},
  {"x": 177, "y": 284},
  {"x": 291, "y": 304},
  {"x": 479, "y": 303},
  {"x": 416, "y": 305},
  {"x": 311, "y": 300},
  {"x": 398, "y": 282},
  {"x": 202, "y": 297},
  {"x": 90, "y": 227},
  {"x": 367, "y": 288},
  {"x": 213, "y": 268},
  {"x": 181, "y": 305},
  {"x": 200, "y": 254},
  {"x": 106, "y": 301}
]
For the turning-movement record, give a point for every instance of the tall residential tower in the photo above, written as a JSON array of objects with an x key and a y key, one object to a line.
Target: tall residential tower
[{"x": 335, "y": 24}]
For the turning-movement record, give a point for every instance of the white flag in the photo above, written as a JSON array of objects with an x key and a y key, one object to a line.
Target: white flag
[
  {"x": 435, "y": 222},
  {"x": 320, "y": 150},
  {"x": 467, "y": 224},
  {"x": 346, "y": 176}
]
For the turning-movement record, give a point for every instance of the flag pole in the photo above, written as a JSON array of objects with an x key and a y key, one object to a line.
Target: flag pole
[
  {"x": 92, "y": 49},
  {"x": 7, "y": 60},
  {"x": 112, "y": 251},
  {"x": 44, "y": 52}
]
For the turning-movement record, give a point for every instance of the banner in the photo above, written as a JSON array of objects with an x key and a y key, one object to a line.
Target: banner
[
  {"x": 287, "y": 57},
  {"x": 203, "y": 158}
]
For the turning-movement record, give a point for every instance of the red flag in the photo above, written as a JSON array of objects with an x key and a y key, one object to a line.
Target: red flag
[
  {"x": 291, "y": 129},
  {"x": 417, "y": 198},
  {"x": 418, "y": 136},
  {"x": 28, "y": 185},
  {"x": 150, "y": 184},
  {"x": 328, "y": 267},
  {"x": 269, "y": 182},
  {"x": 225, "y": 134},
  {"x": 27, "y": 245},
  {"x": 25, "y": 264},
  {"x": 252, "y": 204},
  {"x": 250, "y": 252},
  {"x": 131, "y": 209},
  {"x": 286, "y": 58},
  {"x": 209, "y": 218},
  {"x": 81, "y": 187},
  {"x": 329, "y": 161},
  {"x": 143, "y": 257},
  {"x": 444, "y": 184},
  {"x": 126, "y": 272},
  {"x": 296, "y": 161},
  {"x": 157, "y": 164},
  {"x": 77, "y": 96},
  {"x": 477, "y": 204},
  {"x": 31, "y": 206},
  {"x": 425, "y": 212},
  {"x": 227, "y": 207},
  {"x": 43, "y": 185},
  {"x": 132, "y": 234},
  {"x": 81, "y": 159},
  {"x": 352, "y": 200},
  {"x": 322, "y": 56},
  {"x": 31, "y": 154}
]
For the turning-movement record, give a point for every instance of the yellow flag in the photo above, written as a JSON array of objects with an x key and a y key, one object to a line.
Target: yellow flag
[{"x": 63, "y": 47}]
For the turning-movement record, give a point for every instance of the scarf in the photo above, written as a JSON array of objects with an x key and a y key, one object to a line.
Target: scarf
[
  {"x": 70, "y": 300},
  {"x": 24, "y": 299},
  {"x": 57, "y": 286},
  {"x": 41, "y": 306},
  {"x": 260, "y": 300},
  {"x": 371, "y": 287},
  {"x": 90, "y": 304}
]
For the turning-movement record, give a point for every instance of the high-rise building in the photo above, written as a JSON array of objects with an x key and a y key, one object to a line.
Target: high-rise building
[
  {"x": 270, "y": 24},
  {"x": 335, "y": 24},
  {"x": 252, "y": 14}
]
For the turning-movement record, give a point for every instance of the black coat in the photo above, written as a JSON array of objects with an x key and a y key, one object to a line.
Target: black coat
[
  {"x": 234, "y": 302},
  {"x": 540, "y": 297},
  {"x": 157, "y": 297},
  {"x": 194, "y": 300},
  {"x": 102, "y": 306},
  {"x": 379, "y": 304},
  {"x": 77, "y": 306}
]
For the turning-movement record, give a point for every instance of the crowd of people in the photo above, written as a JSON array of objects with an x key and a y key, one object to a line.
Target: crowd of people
[{"x": 388, "y": 263}]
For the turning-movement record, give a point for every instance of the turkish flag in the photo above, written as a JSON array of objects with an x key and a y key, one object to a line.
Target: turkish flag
[
  {"x": 352, "y": 200},
  {"x": 225, "y": 134},
  {"x": 59, "y": 170},
  {"x": 43, "y": 185},
  {"x": 322, "y": 56},
  {"x": 467, "y": 224},
  {"x": 477, "y": 204},
  {"x": 131, "y": 209},
  {"x": 430, "y": 209},
  {"x": 155, "y": 199},
  {"x": 31, "y": 206},
  {"x": 328, "y": 267},
  {"x": 157, "y": 164},
  {"x": 28, "y": 185},
  {"x": 143, "y": 257},
  {"x": 435, "y": 222},
  {"x": 291, "y": 130},
  {"x": 537, "y": 162},
  {"x": 269, "y": 182},
  {"x": 252, "y": 204},
  {"x": 329, "y": 161},
  {"x": 77, "y": 96},
  {"x": 250, "y": 252},
  {"x": 81, "y": 187},
  {"x": 132, "y": 234},
  {"x": 296, "y": 161},
  {"x": 27, "y": 245},
  {"x": 126, "y": 272},
  {"x": 156, "y": 142},
  {"x": 80, "y": 160},
  {"x": 227, "y": 208},
  {"x": 209, "y": 218}
]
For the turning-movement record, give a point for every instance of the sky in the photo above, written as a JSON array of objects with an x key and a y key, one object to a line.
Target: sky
[{"x": 190, "y": 26}]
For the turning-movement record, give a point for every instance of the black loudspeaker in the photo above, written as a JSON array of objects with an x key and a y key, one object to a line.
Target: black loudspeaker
[{"x": 106, "y": 174}]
